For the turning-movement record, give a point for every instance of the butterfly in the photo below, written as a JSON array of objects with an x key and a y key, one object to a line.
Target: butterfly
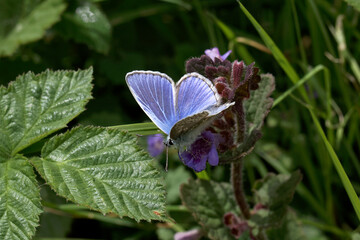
[{"x": 182, "y": 110}]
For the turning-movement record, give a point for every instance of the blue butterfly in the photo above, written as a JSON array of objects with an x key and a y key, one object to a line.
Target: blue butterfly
[{"x": 182, "y": 110}]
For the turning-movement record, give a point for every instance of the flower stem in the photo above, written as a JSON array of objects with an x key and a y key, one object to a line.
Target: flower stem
[{"x": 237, "y": 183}]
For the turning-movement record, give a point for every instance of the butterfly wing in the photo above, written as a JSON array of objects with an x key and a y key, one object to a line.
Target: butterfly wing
[
  {"x": 197, "y": 105},
  {"x": 194, "y": 94},
  {"x": 188, "y": 128},
  {"x": 155, "y": 94}
]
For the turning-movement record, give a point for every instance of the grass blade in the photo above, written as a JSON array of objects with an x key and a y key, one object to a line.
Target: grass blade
[{"x": 280, "y": 58}]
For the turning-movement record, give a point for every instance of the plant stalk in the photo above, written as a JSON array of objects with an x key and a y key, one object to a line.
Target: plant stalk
[{"x": 237, "y": 183}]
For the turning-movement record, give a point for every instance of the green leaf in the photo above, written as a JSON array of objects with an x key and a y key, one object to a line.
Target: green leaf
[
  {"x": 290, "y": 229},
  {"x": 209, "y": 201},
  {"x": 105, "y": 170},
  {"x": 259, "y": 104},
  {"x": 35, "y": 106},
  {"x": 274, "y": 193},
  {"x": 26, "y": 21},
  {"x": 354, "y": 3},
  {"x": 85, "y": 23},
  {"x": 19, "y": 199},
  {"x": 174, "y": 178}
]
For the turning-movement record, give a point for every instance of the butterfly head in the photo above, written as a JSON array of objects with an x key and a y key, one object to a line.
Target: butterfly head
[{"x": 169, "y": 142}]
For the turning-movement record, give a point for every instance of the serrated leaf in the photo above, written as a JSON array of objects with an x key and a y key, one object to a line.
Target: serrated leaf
[
  {"x": 274, "y": 192},
  {"x": 85, "y": 23},
  {"x": 26, "y": 21},
  {"x": 209, "y": 201},
  {"x": 35, "y": 106},
  {"x": 258, "y": 105},
  {"x": 105, "y": 170},
  {"x": 354, "y": 3},
  {"x": 19, "y": 199}
]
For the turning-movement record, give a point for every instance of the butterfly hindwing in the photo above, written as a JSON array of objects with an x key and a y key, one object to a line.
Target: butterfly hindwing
[
  {"x": 188, "y": 125},
  {"x": 154, "y": 92}
]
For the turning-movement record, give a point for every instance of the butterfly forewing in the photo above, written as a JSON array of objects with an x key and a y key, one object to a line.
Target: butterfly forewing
[
  {"x": 194, "y": 94},
  {"x": 154, "y": 92}
]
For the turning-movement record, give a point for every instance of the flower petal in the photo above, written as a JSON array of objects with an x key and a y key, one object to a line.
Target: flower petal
[
  {"x": 155, "y": 144},
  {"x": 213, "y": 157},
  {"x": 213, "y": 53},
  {"x": 188, "y": 235},
  {"x": 223, "y": 57}
]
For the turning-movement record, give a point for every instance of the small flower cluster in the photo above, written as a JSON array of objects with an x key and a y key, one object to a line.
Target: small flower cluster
[
  {"x": 237, "y": 226},
  {"x": 203, "y": 150},
  {"x": 233, "y": 81}
]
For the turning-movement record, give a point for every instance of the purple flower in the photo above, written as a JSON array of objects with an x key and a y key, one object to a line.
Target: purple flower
[
  {"x": 155, "y": 144},
  {"x": 189, "y": 235},
  {"x": 236, "y": 225},
  {"x": 214, "y": 53},
  {"x": 201, "y": 151}
]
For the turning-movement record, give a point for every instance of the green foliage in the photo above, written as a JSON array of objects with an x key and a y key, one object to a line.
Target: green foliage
[
  {"x": 165, "y": 234},
  {"x": 354, "y": 3},
  {"x": 289, "y": 229},
  {"x": 355, "y": 236},
  {"x": 274, "y": 193},
  {"x": 104, "y": 170},
  {"x": 209, "y": 201},
  {"x": 257, "y": 107},
  {"x": 145, "y": 34},
  {"x": 293, "y": 76},
  {"x": 174, "y": 178},
  {"x": 35, "y": 106},
  {"x": 19, "y": 198},
  {"x": 85, "y": 23},
  {"x": 31, "y": 108},
  {"x": 26, "y": 21}
]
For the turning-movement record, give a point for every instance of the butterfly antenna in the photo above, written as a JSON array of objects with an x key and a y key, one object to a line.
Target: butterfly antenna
[{"x": 167, "y": 158}]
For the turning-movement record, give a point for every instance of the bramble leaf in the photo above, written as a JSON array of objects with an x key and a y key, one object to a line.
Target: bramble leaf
[
  {"x": 105, "y": 170},
  {"x": 34, "y": 106},
  {"x": 19, "y": 199},
  {"x": 26, "y": 21},
  {"x": 209, "y": 201},
  {"x": 85, "y": 23}
]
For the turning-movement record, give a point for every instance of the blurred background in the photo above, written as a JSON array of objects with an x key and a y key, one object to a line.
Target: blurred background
[{"x": 116, "y": 37}]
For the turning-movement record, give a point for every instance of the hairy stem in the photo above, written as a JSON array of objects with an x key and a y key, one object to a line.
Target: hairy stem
[{"x": 237, "y": 183}]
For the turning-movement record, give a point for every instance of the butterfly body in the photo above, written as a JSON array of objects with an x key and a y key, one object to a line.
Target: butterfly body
[{"x": 182, "y": 110}]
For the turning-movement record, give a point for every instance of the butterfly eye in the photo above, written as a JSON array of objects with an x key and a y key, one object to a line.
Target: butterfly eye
[{"x": 169, "y": 142}]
